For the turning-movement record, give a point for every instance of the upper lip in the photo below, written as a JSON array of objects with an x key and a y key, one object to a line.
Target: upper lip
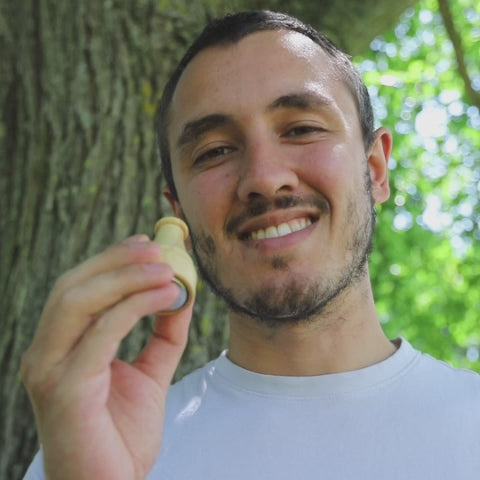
[{"x": 274, "y": 218}]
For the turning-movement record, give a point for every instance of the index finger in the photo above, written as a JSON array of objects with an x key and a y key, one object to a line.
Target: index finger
[{"x": 136, "y": 249}]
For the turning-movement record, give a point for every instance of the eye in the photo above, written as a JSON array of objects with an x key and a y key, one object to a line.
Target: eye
[
  {"x": 212, "y": 154},
  {"x": 303, "y": 130}
]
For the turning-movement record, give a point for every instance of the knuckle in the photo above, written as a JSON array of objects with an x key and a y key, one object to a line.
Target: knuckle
[
  {"x": 61, "y": 290},
  {"x": 70, "y": 299},
  {"x": 39, "y": 385},
  {"x": 64, "y": 281}
]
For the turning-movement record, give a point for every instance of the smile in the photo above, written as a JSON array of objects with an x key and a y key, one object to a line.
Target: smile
[{"x": 281, "y": 230}]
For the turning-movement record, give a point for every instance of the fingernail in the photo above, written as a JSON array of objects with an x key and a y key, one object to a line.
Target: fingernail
[
  {"x": 140, "y": 238},
  {"x": 155, "y": 267}
]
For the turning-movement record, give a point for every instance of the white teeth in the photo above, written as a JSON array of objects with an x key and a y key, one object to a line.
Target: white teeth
[
  {"x": 295, "y": 225},
  {"x": 271, "y": 232},
  {"x": 281, "y": 230}
]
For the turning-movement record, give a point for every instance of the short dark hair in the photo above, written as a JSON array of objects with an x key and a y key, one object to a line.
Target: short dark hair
[{"x": 233, "y": 28}]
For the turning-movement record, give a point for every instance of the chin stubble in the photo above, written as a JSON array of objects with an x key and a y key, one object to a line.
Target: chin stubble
[{"x": 297, "y": 300}]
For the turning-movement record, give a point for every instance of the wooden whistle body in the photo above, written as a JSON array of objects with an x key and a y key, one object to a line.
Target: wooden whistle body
[{"x": 171, "y": 233}]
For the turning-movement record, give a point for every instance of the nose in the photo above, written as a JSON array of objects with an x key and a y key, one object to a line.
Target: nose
[{"x": 265, "y": 171}]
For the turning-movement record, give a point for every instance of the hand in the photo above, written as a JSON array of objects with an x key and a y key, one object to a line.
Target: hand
[{"x": 99, "y": 417}]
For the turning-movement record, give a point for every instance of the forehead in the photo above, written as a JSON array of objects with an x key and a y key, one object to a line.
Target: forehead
[{"x": 238, "y": 79}]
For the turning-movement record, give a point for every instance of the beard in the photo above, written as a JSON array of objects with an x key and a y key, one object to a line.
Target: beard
[{"x": 298, "y": 298}]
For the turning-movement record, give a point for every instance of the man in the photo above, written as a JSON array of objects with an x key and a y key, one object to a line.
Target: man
[{"x": 268, "y": 147}]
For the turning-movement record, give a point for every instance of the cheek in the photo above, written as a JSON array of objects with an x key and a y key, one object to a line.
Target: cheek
[
  {"x": 206, "y": 197},
  {"x": 327, "y": 168}
]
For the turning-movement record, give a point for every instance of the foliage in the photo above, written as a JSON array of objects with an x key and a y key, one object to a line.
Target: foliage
[{"x": 426, "y": 267}]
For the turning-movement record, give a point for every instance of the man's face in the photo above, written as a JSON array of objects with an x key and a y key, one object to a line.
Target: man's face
[{"x": 272, "y": 175}]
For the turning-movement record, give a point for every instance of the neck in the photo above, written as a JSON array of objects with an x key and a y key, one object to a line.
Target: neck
[{"x": 347, "y": 337}]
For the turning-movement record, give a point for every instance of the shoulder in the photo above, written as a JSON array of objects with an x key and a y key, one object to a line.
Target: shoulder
[
  {"x": 448, "y": 372},
  {"x": 446, "y": 382}
]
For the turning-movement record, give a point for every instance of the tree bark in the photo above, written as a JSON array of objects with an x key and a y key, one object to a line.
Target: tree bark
[
  {"x": 79, "y": 82},
  {"x": 351, "y": 24}
]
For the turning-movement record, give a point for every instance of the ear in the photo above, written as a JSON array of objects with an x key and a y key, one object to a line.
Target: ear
[
  {"x": 177, "y": 210},
  {"x": 174, "y": 203},
  {"x": 378, "y": 158}
]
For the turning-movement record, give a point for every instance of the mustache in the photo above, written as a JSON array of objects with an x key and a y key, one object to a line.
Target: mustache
[{"x": 262, "y": 205}]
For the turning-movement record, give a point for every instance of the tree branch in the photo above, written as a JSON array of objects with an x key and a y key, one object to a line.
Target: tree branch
[{"x": 459, "y": 51}]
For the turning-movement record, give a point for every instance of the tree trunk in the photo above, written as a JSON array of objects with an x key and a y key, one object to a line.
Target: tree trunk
[{"x": 79, "y": 82}]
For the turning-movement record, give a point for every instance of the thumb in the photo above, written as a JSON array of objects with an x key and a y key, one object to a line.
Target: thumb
[{"x": 161, "y": 356}]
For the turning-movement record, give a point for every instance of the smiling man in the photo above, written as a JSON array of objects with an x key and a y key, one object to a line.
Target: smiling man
[
  {"x": 268, "y": 147},
  {"x": 270, "y": 119}
]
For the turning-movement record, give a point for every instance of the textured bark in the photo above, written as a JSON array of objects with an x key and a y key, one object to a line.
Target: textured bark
[
  {"x": 79, "y": 82},
  {"x": 352, "y": 24}
]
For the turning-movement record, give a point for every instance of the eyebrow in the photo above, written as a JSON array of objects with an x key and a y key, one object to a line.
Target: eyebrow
[
  {"x": 203, "y": 125},
  {"x": 301, "y": 101}
]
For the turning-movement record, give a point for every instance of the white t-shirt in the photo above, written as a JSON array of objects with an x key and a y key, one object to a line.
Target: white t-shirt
[{"x": 409, "y": 417}]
